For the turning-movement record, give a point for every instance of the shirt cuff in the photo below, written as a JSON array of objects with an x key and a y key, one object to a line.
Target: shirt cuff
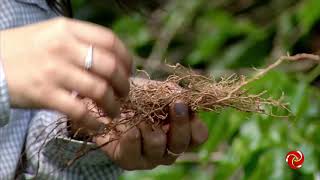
[
  {"x": 59, "y": 147},
  {"x": 73, "y": 148},
  {"x": 4, "y": 98},
  {"x": 50, "y": 151}
]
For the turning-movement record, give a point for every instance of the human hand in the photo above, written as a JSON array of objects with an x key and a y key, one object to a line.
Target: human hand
[
  {"x": 44, "y": 63},
  {"x": 143, "y": 147}
]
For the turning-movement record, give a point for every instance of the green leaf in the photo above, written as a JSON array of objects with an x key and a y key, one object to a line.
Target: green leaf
[
  {"x": 308, "y": 14},
  {"x": 310, "y": 164},
  {"x": 213, "y": 30},
  {"x": 133, "y": 30},
  {"x": 272, "y": 165},
  {"x": 250, "y": 52},
  {"x": 235, "y": 158},
  {"x": 216, "y": 132},
  {"x": 299, "y": 104},
  {"x": 286, "y": 32},
  {"x": 251, "y": 131},
  {"x": 162, "y": 172}
]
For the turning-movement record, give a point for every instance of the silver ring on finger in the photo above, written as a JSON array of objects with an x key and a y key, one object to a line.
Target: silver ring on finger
[
  {"x": 89, "y": 58},
  {"x": 87, "y": 65}
]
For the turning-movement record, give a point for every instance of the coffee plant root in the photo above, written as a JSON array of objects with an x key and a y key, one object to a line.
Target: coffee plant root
[{"x": 150, "y": 100}]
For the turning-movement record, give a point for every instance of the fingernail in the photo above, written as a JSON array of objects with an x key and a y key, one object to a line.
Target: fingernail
[{"x": 181, "y": 109}]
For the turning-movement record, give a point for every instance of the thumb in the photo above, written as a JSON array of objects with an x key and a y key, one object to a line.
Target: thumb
[
  {"x": 179, "y": 112},
  {"x": 179, "y": 131}
]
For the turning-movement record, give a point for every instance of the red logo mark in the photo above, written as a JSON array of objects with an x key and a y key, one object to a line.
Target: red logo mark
[{"x": 295, "y": 159}]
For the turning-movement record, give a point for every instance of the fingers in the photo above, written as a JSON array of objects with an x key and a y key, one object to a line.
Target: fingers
[
  {"x": 146, "y": 147},
  {"x": 111, "y": 60},
  {"x": 61, "y": 100},
  {"x": 109, "y": 145},
  {"x": 154, "y": 142},
  {"x": 105, "y": 65},
  {"x": 128, "y": 153},
  {"x": 111, "y": 63},
  {"x": 91, "y": 86},
  {"x": 129, "y": 149},
  {"x": 199, "y": 132},
  {"x": 179, "y": 132},
  {"x": 133, "y": 151},
  {"x": 103, "y": 38}
]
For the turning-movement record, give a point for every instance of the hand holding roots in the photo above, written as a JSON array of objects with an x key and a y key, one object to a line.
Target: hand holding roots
[{"x": 149, "y": 100}]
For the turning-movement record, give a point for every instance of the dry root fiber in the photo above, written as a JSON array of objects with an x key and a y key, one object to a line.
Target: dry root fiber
[{"x": 150, "y": 100}]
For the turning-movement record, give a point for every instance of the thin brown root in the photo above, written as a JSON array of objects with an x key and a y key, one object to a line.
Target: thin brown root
[{"x": 149, "y": 101}]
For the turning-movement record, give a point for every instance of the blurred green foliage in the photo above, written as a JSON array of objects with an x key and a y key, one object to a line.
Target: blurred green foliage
[{"x": 223, "y": 36}]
